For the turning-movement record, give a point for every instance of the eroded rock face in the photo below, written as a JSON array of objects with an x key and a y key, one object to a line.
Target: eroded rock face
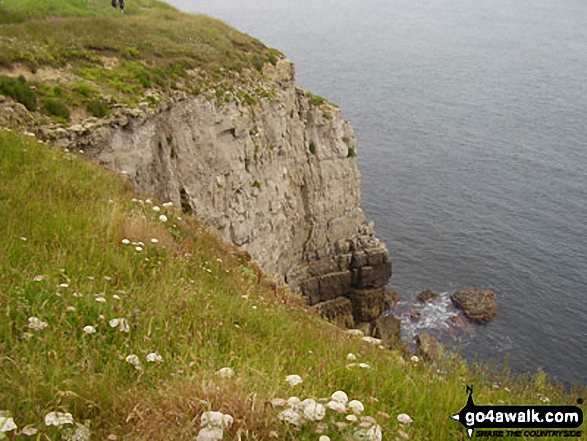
[
  {"x": 427, "y": 347},
  {"x": 477, "y": 306},
  {"x": 277, "y": 178},
  {"x": 388, "y": 329},
  {"x": 338, "y": 311}
]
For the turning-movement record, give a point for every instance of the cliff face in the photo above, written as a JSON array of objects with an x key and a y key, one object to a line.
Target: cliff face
[{"x": 277, "y": 178}]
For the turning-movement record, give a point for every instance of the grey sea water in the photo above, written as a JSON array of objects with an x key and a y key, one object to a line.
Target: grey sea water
[{"x": 472, "y": 123}]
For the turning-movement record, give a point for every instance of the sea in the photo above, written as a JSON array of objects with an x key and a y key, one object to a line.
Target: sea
[{"x": 472, "y": 126}]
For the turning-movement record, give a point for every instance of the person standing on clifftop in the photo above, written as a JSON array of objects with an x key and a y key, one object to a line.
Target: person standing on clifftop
[{"x": 120, "y": 2}]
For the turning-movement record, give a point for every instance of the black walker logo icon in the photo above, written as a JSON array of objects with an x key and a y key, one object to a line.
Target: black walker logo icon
[{"x": 517, "y": 417}]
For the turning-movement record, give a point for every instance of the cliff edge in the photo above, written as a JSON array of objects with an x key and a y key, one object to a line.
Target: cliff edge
[{"x": 268, "y": 165}]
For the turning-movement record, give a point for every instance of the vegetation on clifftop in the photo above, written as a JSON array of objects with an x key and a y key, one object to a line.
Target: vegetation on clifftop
[{"x": 76, "y": 51}]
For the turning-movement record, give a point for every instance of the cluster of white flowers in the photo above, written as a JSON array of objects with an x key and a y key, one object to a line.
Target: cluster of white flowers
[
  {"x": 58, "y": 419},
  {"x": 36, "y": 324},
  {"x": 294, "y": 380},
  {"x": 6, "y": 423},
  {"x": 301, "y": 412},
  {"x": 226, "y": 372},
  {"x": 134, "y": 360},
  {"x": 154, "y": 357},
  {"x": 89, "y": 329},
  {"x": 213, "y": 425},
  {"x": 78, "y": 432},
  {"x": 404, "y": 418},
  {"x": 372, "y": 433},
  {"x": 121, "y": 323}
]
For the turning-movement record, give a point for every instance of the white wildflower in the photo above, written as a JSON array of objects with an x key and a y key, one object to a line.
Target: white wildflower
[
  {"x": 134, "y": 360},
  {"x": 77, "y": 433},
  {"x": 153, "y": 240},
  {"x": 404, "y": 418},
  {"x": 356, "y": 406},
  {"x": 294, "y": 380},
  {"x": 312, "y": 410},
  {"x": 156, "y": 208},
  {"x": 77, "y": 294},
  {"x": 371, "y": 434},
  {"x": 293, "y": 401},
  {"x": 116, "y": 297},
  {"x": 163, "y": 218},
  {"x": 210, "y": 434},
  {"x": 125, "y": 241},
  {"x": 352, "y": 418},
  {"x": 63, "y": 285},
  {"x": 58, "y": 419},
  {"x": 340, "y": 396},
  {"x": 114, "y": 322},
  {"x": 154, "y": 357},
  {"x": 351, "y": 357},
  {"x": 29, "y": 430},
  {"x": 39, "y": 278},
  {"x": 100, "y": 300},
  {"x": 89, "y": 330},
  {"x": 36, "y": 324},
  {"x": 107, "y": 278},
  {"x": 324, "y": 438},
  {"x": 124, "y": 326},
  {"x": 364, "y": 366},
  {"x": 226, "y": 372},
  {"x": 149, "y": 201},
  {"x": 6, "y": 423},
  {"x": 139, "y": 248},
  {"x": 70, "y": 309},
  {"x": 24, "y": 239},
  {"x": 336, "y": 406},
  {"x": 415, "y": 358},
  {"x": 168, "y": 204},
  {"x": 290, "y": 416}
]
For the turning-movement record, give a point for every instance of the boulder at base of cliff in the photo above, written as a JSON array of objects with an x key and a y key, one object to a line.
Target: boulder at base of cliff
[
  {"x": 388, "y": 329},
  {"x": 478, "y": 306},
  {"x": 338, "y": 311},
  {"x": 427, "y": 347},
  {"x": 427, "y": 296}
]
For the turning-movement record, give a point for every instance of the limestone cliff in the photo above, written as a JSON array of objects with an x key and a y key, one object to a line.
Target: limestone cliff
[{"x": 276, "y": 177}]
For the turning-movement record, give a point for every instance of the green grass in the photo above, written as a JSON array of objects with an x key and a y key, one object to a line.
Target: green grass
[
  {"x": 194, "y": 301},
  {"x": 151, "y": 47}
]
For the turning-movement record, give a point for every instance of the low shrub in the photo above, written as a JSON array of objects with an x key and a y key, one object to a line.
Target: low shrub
[
  {"x": 98, "y": 108},
  {"x": 56, "y": 108},
  {"x": 19, "y": 91}
]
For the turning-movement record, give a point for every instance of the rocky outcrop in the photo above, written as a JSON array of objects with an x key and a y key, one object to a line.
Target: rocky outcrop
[
  {"x": 277, "y": 177},
  {"x": 388, "y": 329},
  {"x": 477, "y": 306},
  {"x": 338, "y": 311},
  {"x": 427, "y": 296},
  {"x": 427, "y": 347}
]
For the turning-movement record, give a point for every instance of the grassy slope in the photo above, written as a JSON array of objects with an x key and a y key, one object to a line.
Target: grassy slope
[
  {"x": 189, "y": 298},
  {"x": 197, "y": 306}
]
